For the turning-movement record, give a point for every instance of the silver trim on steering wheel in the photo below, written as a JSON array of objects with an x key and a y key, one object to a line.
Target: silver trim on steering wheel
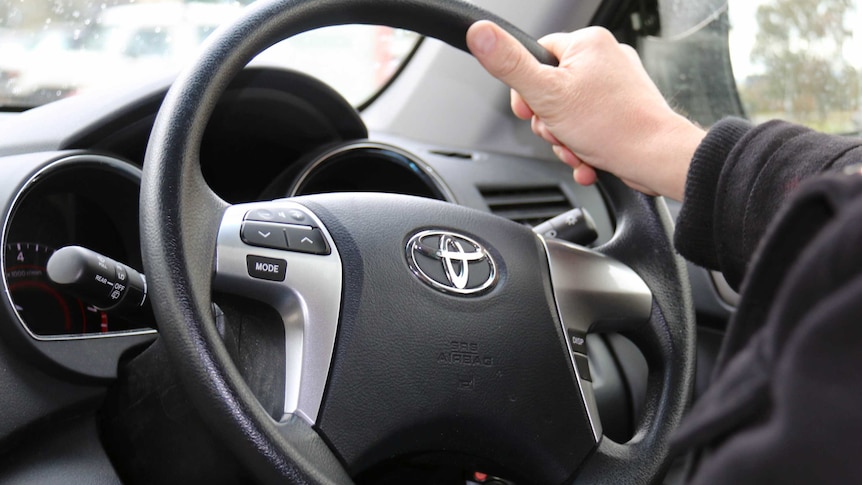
[
  {"x": 308, "y": 299},
  {"x": 591, "y": 288}
]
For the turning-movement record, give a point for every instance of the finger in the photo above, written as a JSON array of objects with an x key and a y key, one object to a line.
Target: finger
[
  {"x": 558, "y": 43},
  {"x": 566, "y": 156},
  {"x": 585, "y": 174},
  {"x": 520, "y": 107},
  {"x": 563, "y": 45},
  {"x": 541, "y": 129},
  {"x": 505, "y": 58}
]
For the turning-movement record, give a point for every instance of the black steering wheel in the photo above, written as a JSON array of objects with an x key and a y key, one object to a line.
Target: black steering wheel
[{"x": 410, "y": 326}]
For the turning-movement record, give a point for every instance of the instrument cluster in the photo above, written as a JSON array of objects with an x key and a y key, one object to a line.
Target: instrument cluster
[{"x": 88, "y": 201}]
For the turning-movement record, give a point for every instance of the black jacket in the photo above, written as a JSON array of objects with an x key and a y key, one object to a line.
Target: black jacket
[{"x": 774, "y": 207}]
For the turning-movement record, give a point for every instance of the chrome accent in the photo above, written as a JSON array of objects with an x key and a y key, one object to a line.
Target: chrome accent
[
  {"x": 454, "y": 259},
  {"x": 417, "y": 165},
  {"x": 122, "y": 168},
  {"x": 144, "y": 296},
  {"x": 591, "y": 288},
  {"x": 308, "y": 300}
]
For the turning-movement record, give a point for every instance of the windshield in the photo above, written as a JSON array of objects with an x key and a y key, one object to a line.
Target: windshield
[{"x": 51, "y": 49}]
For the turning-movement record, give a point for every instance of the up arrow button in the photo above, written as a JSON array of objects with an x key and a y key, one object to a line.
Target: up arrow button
[{"x": 306, "y": 240}]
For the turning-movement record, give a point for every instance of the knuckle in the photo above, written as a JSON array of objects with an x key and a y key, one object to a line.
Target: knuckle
[
  {"x": 630, "y": 52},
  {"x": 600, "y": 35}
]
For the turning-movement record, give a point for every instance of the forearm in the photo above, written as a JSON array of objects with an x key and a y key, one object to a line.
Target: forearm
[{"x": 695, "y": 236}]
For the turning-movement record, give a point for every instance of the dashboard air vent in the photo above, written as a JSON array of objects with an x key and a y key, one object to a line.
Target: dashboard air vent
[{"x": 527, "y": 205}]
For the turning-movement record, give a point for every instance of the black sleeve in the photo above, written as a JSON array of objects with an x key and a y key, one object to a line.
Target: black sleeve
[{"x": 739, "y": 177}]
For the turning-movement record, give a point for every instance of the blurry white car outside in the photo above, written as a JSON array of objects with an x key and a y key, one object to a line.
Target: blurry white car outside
[{"x": 99, "y": 45}]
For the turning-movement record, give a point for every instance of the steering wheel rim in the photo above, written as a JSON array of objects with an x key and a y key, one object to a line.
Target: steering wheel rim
[{"x": 179, "y": 212}]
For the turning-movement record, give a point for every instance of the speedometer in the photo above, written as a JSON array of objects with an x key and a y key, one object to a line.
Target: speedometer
[{"x": 45, "y": 309}]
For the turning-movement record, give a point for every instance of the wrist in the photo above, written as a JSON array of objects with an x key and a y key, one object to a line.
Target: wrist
[{"x": 673, "y": 149}]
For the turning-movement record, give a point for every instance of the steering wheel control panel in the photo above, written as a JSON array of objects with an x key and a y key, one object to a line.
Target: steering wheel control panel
[
  {"x": 602, "y": 290},
  {"x": 281, "y": 254},
  {"x": 291, "y": 230}
]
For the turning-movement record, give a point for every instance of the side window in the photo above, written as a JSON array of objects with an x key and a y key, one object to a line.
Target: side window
[{"x": 798, "y": 60}]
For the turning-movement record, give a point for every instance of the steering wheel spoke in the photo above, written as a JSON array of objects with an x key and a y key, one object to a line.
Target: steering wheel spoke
[
  {"x": 279, "y": 253},
  {"x": 593, "y": 292}
]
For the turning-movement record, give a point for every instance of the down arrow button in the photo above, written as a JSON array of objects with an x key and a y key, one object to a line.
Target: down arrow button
[{"x": 264, "y": 234}]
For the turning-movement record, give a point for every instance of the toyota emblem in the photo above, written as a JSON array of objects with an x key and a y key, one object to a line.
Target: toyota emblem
[{"x": 451, "y": 262}]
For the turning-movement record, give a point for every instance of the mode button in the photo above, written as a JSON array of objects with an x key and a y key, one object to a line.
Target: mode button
[{"x": 266, "y": 268}]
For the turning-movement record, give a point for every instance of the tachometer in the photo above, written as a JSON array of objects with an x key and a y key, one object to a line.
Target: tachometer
[{"x": 46, "y": 310}]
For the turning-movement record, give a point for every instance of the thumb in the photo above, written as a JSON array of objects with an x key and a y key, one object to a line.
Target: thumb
[{"x": 505, "y": 58}]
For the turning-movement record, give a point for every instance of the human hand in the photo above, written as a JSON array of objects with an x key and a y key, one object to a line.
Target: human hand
[{"x": 598, "y": 108}]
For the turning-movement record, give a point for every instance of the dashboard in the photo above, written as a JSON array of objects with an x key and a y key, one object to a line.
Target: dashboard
[{"x": 275, "y": 133}]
